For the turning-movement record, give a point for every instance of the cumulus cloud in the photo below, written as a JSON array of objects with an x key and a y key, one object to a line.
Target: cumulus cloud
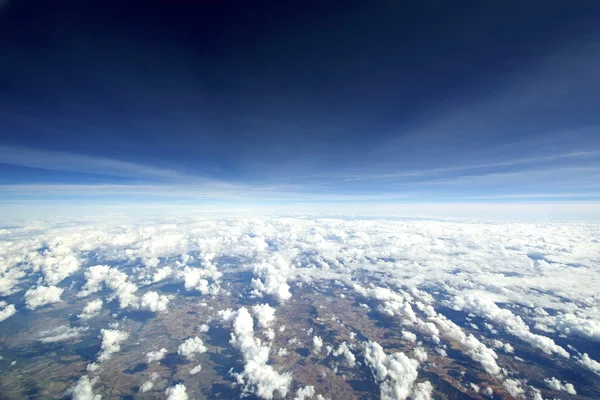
[
  {"x": 396, "y": 373},
  {"x": 152, "y": 301},
  {"x": 271, "y": 279},
  {"x": 196, "y": 369},
  {"x": 149, "y": 384},
  {"x": 161, "y": 274},
  {"x": 258, "y": 377},
  {"x": 177, "y": 392},
  {"x": 555, "y": 384},
  {"x": 514, "y": 388},
  {"x": 7, "y": 311},
  {"x": 116, "y": 280},
  {"x": 265, "y": 314},
  {"x": 590, "y": 363},
  {"x": 481, "y": 304},
  {"x": 157, "y": 355},
  {"x": 84, "y": 389},
  {"x": 91, "y": 309},
  {"x": 205, "y": 280},
  {"x": 191, "y": 347},
  {"x": 111, "y": 342},
  {"x": 343, "y": 350},
  {"x": 317, "y": 344},
  {"x": 307, "y": 392},
  {"x": 61, "y": 333},
  {"x": 42, "y": 295}
]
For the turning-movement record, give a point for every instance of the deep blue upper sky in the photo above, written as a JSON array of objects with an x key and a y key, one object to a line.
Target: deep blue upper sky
[{"x": 300, "y": 100}]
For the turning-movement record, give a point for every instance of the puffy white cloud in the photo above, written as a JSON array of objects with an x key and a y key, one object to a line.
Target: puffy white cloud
[
  {"x": 177, "y": 392},
  {"x": 307, "y": 392},
  {"x": 83, "y": 389},
  {"x": 345, "y": 351},
  {"x": 196, "y": 369},
  {"x": 317, "y": 344},
  {"x": 482, "y": 304},
  {"x": 203, "y": 328},
  {"x": 411, "y": 337},
  {"x": 555, "y": 384},
  {"x": 91, "y": 309},
  {"x": 396, "y": 373},
  {"x": 513, "y": 387},
  {"x": 157, "y": 355},
  {"x": 161, "y": 274},
  {"x": 152, "y": 301},
  {"x": 114, "y": 279},
  {"x": 61, "y": 333},
  {"x": 265, "y": 315},
  {"x": 205, "y": 280},
  {"x": 589, "y": 363},
  {"x": 271, "y": 278},
  {"x": 191, "y": 347},
  {"x": 111, "y": 342},
  {"x": 258, "y": 377},
  {"x": 42, "y": 295},
  {"x": 8, "y": 310},
  {"x": 149, "y": 384}
]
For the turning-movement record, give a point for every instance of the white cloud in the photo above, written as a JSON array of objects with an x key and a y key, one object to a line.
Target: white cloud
[
  {"x": 196, "y": 369},
  {"x": 271, "y": 278},
  {"x": 177, "y": 392},
  {"x": 152, "y": 301},
  {"x": 396, "y": 373},
  {"x": 317, "y": 344},
  {"x": 8, "y": 310},
  {"x": 191, "y": 347},
  {"x": 411, "y": 337},
  {"x": 482, "y": 304},
  {"x": 307, "y": 392},
  {"x": 61, "y": 333},
  {"x": 42, "y": 295},
  {"x": 149, "y": 384},
  {"x": 514, "y": 388},
  {"x": 265, "y": 315},
  {"x": 555, "y": 384},
  {"x": 111, "y": 342},
  {"x": 590, "y": 363},
  {"x": 345, "y": 351},
  {"x": 258, "y": 377},
  {"x": 157, "y": 355},
  {"x": 91, "y": 309},
  {"x": 84, "y": 389},
  {"x": 161, "y": 274}
]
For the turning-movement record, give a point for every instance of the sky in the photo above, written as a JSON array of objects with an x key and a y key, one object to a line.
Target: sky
[{"x": 377, "y": 103}]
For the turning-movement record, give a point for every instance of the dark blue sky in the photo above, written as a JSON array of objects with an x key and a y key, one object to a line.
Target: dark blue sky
[{"x": 300, "y": 100}]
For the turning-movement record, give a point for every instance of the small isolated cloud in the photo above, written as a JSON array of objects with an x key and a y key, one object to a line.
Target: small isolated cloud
[
  {"x": 111, "y": 342},
  {"x": 307, "y": 392},
  {"x": 149, "y": 384},
  {"x": 83, "y": 389},
  {"x": 191, "y": 347},
  {"x": 161, "y": 274},
  {"x": 196, "y": 369},
  {"x": 177, "y": 392},
  {"x": 411, "y": 337},
  {"x": 91, "y": 309},
  {"x": 61, "y": 333},
  {"x": 317, "y": 344},
  {"x": 513, "y": 387},
  {"x": 157, "y": 355},
  {"x": 42, "y": 295},
  {"x": 152, "y": 301},
  {"x": 7, "y": 311},
  {"x": 271, "y": 279},
  {"x": 555, "y": 384}
]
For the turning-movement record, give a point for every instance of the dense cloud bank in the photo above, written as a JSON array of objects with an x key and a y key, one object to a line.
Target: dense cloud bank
[{"x": 530, "y": 282}]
